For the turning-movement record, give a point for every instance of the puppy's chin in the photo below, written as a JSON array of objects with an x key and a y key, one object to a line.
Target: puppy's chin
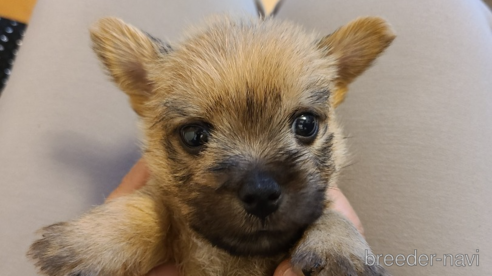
[
  {"x": 251, "y": 237},
  {"x": 264, "y": 243}
]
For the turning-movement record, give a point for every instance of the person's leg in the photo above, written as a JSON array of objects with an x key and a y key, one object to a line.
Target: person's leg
[
  {"x": 420, "y": 129},
  {"x": 67, "y": 135}
]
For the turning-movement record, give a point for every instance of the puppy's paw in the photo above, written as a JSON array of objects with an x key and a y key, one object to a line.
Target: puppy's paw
[
  {"x": 329, "y": 262},
  {"x": 59, "y": 252},
  {"x": 334, "y": 247},
  {"x": 121, "y": 237}
]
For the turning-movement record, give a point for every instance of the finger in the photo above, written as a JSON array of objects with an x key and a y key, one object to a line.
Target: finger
[
  {"x": 343, "y": 206},
  {"x": 164, "y": 270},
  {"x": 135, "y": 179},
  {"x": 285, "y": 269}
]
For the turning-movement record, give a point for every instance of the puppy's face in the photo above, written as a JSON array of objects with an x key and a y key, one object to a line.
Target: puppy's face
[{"x": 239, "y": 120}]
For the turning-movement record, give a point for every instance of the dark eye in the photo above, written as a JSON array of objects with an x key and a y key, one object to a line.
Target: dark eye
[
  {"x": 194, "y": 136},
  {"x": 305, "y": 126}
]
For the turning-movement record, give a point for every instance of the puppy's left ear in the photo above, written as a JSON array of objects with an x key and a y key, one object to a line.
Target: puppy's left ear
[
  {"x": 354, "y": 47},
  {"x": 128, "y": 54}
]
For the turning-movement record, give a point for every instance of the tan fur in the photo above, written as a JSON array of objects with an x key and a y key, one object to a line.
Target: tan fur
[
  {"x": 246, "y": 78},
  {"x": 372, "y": 36},
  {"x": 127, "y": 52}
]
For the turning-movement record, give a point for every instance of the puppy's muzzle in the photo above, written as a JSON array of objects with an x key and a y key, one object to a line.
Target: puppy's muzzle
[{"x": 260, "y": 194}]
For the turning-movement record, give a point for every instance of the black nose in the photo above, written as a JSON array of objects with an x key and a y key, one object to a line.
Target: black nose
[{"x": 260, "y": 194}]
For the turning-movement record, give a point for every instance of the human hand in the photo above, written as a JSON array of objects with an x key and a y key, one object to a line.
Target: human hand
[{"x": 139, "y": 175}]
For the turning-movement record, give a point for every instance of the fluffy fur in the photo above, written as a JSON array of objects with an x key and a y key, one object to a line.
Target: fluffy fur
[{"x": 246, "y": 80}]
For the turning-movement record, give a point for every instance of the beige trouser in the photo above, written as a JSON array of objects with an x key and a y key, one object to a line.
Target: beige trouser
[{"x": 419, "y": 122}]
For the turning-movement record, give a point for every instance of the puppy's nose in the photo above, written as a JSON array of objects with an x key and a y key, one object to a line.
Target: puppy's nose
[{"x": 260, "y": 194}]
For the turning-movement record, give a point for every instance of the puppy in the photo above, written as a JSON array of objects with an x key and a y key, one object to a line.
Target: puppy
[{"x": 242, "y": 142}]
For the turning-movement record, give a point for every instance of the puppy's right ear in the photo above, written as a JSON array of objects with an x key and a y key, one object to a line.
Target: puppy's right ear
[{"x": 126, "y": 52}]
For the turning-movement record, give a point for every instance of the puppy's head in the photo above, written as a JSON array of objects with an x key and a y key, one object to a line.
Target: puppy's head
[{"x": 239, "y": 119}]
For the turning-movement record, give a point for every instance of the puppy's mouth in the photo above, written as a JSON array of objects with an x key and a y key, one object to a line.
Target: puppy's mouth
[
  {"x": 262, "y": 242},
  {"x": 246, "y": 235}
]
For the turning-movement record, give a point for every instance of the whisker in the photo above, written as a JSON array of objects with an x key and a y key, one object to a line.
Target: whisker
[{"x": 349, "y": 165}]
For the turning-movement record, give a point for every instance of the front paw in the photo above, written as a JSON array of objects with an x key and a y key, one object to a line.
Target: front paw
[
  {"x": 60, "y": 252},
  {"x": 331, "y": 262},
  {"x": 334, "y": 247}
]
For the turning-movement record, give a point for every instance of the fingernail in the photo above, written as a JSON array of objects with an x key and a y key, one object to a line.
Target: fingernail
[{"x": 289, "y": 272}]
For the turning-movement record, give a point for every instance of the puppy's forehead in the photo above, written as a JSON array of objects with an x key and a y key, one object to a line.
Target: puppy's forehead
[{"x": 240, "y": 66}]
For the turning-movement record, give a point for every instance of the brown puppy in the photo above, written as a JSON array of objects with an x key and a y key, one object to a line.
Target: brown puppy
[{"x": 242, "y": 143}]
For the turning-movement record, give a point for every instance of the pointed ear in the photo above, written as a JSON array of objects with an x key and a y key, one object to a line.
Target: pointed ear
[
  {"x": 354, "y": 47},
  {"x": 126, "y": 52}
]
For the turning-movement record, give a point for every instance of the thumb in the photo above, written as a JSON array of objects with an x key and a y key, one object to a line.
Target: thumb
[{"x": 285, "y": 269}]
